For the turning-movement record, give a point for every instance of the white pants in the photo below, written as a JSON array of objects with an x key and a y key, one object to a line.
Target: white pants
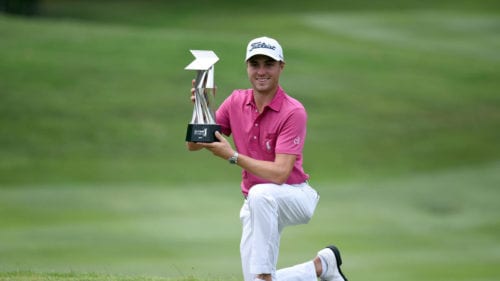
[{"x": 268, "y": 209}]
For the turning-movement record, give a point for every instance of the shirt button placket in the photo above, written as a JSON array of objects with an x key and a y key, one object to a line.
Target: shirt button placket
[{"x": 255, "y": 131}]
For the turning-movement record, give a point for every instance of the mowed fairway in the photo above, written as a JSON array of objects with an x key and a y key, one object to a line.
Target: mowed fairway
[
  {"x": 441, "y": 226},
  {"x": 403, "y": 140}
]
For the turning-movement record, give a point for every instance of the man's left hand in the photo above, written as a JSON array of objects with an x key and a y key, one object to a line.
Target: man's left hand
[{"x": 222, "y": 148}]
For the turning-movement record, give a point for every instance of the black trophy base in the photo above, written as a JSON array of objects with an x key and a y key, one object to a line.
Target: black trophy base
[{"x": 202, "y": 132}]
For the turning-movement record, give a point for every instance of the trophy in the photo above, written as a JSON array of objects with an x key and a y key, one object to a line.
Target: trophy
[{"x": 202, "y": 127}]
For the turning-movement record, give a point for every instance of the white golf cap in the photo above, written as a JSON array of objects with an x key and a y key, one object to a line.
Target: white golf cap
[{"x": 265, "y": 46}]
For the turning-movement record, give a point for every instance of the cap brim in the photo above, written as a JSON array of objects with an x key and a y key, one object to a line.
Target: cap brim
[{"x": 263, "y": 53}]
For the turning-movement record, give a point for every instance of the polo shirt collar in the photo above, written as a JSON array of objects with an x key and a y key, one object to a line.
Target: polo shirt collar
[{"x": 275, "y": 104}]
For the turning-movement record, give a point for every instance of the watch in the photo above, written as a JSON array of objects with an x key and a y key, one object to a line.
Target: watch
[{"x": 233, "y": 159}]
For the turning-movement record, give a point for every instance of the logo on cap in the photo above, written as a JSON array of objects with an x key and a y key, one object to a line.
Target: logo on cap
[{"x": 258, "y": 45}]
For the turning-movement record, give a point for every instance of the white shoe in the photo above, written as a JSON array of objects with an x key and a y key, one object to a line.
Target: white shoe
[{"x": 331, "y": 255}]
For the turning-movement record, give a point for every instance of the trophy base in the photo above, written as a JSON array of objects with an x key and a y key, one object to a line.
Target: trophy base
[{"x": 202, "y": 132}]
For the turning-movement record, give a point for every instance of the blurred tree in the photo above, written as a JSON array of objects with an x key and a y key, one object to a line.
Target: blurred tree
[{"x": 20, "y": 7}]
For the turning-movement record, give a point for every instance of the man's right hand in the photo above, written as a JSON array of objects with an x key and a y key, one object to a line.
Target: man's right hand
[
  {"x": 193, "y": 146},
  {"x": 192, "y": 91}
]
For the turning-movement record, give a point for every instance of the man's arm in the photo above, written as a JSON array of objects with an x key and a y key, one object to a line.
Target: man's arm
[{"x": 276, "y": 172}]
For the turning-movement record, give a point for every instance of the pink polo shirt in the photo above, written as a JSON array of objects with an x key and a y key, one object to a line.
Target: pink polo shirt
[{"x": 280, "y": 128}]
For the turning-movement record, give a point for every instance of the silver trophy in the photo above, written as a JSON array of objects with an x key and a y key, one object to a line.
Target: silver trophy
[{"x": 202, "y": 127}]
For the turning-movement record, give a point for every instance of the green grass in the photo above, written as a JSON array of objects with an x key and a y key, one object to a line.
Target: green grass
[
  {"x": 436, "y": 226},
  {"x": 388, "y": 93},
  {"x": 32, "y": 276},
  {"x": 404, "y": 111}
]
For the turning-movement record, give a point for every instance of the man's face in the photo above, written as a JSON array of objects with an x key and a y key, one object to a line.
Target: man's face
[{"x": 263, "y": 73}]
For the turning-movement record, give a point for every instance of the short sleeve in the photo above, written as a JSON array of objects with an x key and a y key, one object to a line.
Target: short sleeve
[
  {"x": 222, "y": 116},
  {"x": 293, "y": 133}
]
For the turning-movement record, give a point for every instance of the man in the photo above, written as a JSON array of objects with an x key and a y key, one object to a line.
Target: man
[{"x": 269, "y": 129}]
